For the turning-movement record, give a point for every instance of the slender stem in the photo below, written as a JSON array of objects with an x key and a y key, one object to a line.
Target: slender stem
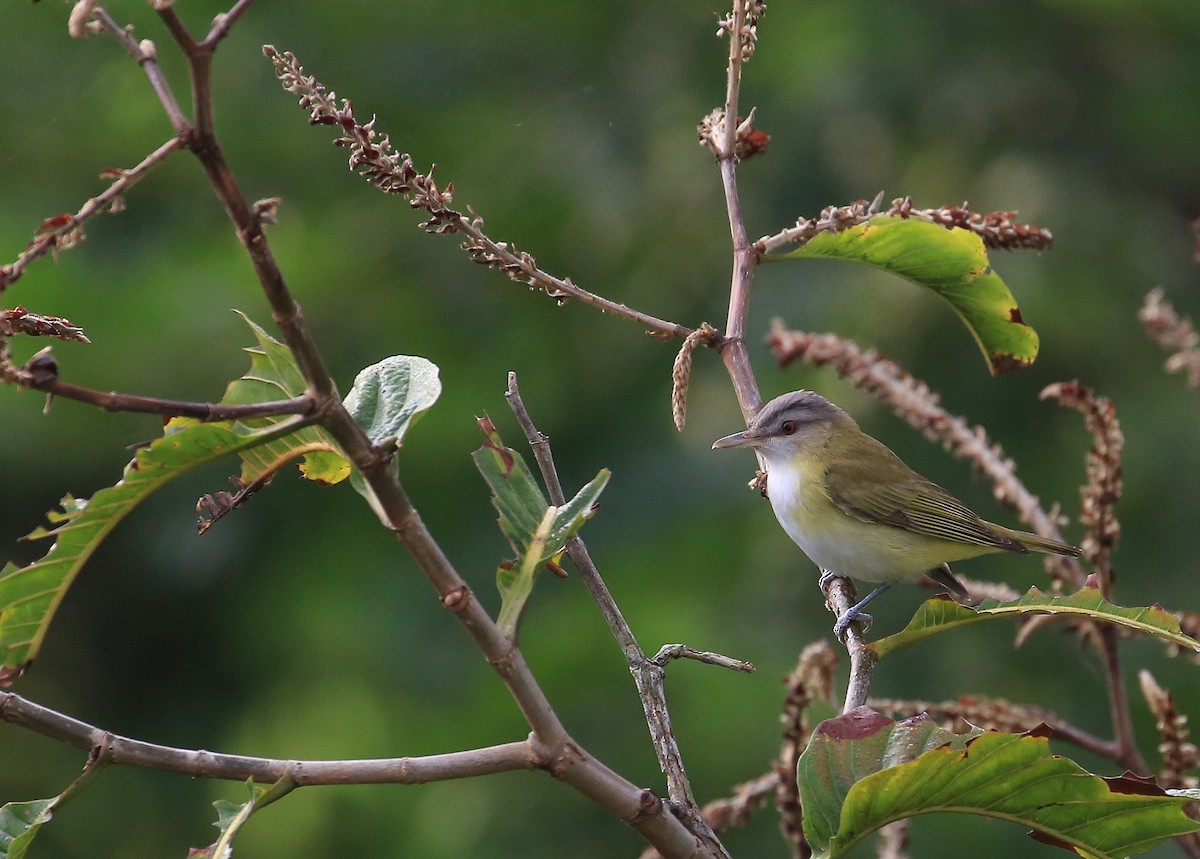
[
  {"x": 45, "y": 242},
  {"x": 647, "y": 673},
  {"x": 111, "y": 401},
  {"x": 149, "y": 63},
  {"x": 839, "y": 592},
  {"x": 1118, "y": 699}
]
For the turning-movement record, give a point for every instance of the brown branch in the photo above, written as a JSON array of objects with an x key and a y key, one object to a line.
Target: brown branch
[
  {"x": 146, "y": 55},
  {"x": 393, "y": 172},
  {"x": 41, "y": 374},
  {"x": 840, "y": 596},
  {"x": 117, "y": 749},
  {"x": 65, "y": 231},
  {"x": 913, "y": 401}
]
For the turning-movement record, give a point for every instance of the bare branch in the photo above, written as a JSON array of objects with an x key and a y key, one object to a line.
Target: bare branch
[
  {"x": 647, "y": 675},
  {"x": 41, "y": 373},
  {"x": 681, "y": 651},
  {"x": 840, "y": 596},
  {"x": 65, "y": 231},
  {"x": 117, "y": 749}
]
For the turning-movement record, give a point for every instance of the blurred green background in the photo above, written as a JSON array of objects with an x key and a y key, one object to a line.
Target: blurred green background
[{"x": 297, "y": 628}]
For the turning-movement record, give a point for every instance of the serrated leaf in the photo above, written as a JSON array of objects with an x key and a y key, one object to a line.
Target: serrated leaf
[
  {"x": 941, "y": 614},
  {"x": 274, "y": 375},
  {"x": 231, "y": 817},
  {"x": 536, "y": 530},
  {"x": 19, "y": 825},
  {"x": 853, "y": 786},
  {"x": 387, "y": 397},
  {"x": 953, "y": 263},
  {"x": 30, "y": 595}
]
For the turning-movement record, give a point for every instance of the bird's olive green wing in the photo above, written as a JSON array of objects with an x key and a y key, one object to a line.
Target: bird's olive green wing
[{"x": 888, "y": 492}]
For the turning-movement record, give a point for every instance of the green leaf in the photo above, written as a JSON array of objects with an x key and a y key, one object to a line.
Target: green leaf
[
  {"x": 951, "y": 262},
  {"x": 273, "y": 375},
  {"x": 536, "y": 530},
  {"x": 862, "y": 771},
  {"x": 30, "y": 595},
  {"x": 387, "y": 397},
  {"x": 19, "y": 824},
  {"x": 941, "y": 614},
  {"x": 232, "y": 816}
]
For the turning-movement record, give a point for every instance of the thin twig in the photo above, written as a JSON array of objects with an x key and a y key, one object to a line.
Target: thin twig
[
  {"x": 647, "y": 674},
  {"x": 48, "y": 240},
  {"x": 681, "y": 651},
  {"x": 840, "y": 597},
  {"x": 111, "y": 401},
  {"x": 146, "y": 56}
]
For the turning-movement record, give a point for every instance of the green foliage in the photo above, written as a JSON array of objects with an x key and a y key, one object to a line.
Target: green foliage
[
  {"x": 941, "y": 614},
  {"x": 231, "y": 817},
  {"x": 862, "y": 771},
  {"x": 953, "y": 263},
  {"x": 387, "y": 397},
  {"x": 19, "y": 824},
  {"x": 273, "y": 375},
  {"x": 30, "y": 595},
  {"x": 536, "y": 529}
]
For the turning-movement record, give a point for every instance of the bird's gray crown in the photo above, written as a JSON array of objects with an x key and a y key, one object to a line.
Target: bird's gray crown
[{"x": 803, "y": 407}]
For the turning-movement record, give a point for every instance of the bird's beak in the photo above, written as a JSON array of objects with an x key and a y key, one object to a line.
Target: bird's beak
[{"x": 738, "y": 439}]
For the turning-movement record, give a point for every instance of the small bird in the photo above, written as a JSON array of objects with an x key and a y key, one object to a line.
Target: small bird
[{"x": 857, "y": 510}]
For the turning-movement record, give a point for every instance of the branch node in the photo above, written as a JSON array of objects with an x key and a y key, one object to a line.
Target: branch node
[{"x": 458, "y": 599}]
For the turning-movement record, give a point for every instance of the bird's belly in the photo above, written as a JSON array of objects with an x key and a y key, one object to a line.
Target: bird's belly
[{"x": 834, "y": 541}]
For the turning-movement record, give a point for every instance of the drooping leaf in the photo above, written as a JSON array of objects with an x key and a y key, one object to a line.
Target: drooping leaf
[
  {"x": 941, "y": 614},
  {"x": 536, "y": 530},
  {"x": 19, "y": 825},
  {"x": 30, "y": 595},
  {"x": 21, "y": 821},
  {"x": 862, "y": 771},
  {"x": 953, "y": 263}
]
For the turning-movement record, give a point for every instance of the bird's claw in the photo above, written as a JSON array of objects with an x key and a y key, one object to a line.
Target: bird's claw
[{"x": 848, "y": 617}]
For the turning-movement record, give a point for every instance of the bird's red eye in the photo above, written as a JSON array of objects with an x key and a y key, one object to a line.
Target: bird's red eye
[{"x": 788, "y": 427}]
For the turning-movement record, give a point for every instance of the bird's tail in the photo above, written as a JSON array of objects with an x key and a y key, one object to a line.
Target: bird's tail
[{"x": 1042, "y": 544}]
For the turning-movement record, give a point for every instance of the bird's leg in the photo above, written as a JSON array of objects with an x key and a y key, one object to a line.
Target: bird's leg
[{"x": 855, "y": 612}]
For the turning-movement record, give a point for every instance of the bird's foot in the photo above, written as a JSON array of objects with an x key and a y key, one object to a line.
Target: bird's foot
[{"x": 849, "y": 616}]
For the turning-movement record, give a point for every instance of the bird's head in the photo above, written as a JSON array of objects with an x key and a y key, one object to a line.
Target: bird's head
[{"x": 789, "y": 425}]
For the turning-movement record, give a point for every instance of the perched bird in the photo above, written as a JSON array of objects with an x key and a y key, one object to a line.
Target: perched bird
[{"x": 857, "y": 510}]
